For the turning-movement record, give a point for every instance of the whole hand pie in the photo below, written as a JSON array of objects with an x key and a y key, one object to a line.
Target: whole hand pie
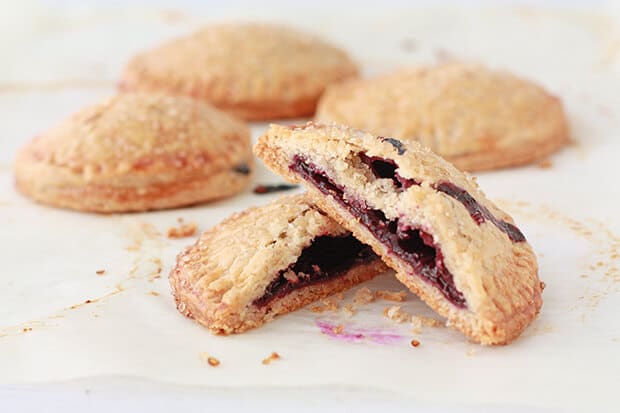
[
  {"x": 473, "y": 117},
  {"x": 255, "y": 71},
  {"x": 137, "y": 152},
  {"x": 428, "y": 221},
  {"x": 267, "y": 261}
]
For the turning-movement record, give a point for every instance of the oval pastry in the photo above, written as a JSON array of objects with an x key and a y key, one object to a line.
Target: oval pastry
[
  {"x": 137, "y": 152},
  {"x": 474, "y": 117},
  {"x": 268, "y": 261},
  {"x": 256, "y": 71},
  {"x": 427, "y": 220}
]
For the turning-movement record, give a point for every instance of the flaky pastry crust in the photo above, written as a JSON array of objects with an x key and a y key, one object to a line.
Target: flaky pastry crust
[
  {"x": 497, "y": 277},
  {"x": 217, "y": 280},
  {"x": 137, "y": 152},
  {"x": 474, "y": 117},
  {"x": 255, "y": 71}
]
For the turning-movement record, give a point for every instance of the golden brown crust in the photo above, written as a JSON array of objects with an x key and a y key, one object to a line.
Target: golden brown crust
[
  {"x": 255, "y": 71},
  {"x": 217, "y": 280},
  {"x": 476, "y": 118},
  {"x": 137, "y": 152},
  {"x": 497, "y": 277}
]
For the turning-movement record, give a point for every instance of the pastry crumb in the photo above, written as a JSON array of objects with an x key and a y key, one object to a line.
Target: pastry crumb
[
  {"x": 363, "y": 296},
  {"x": 273, "y": 356},
  {"x": 415, "y": 343},
  {"x": 182, "y": 231},
  {"x": 153, "y": 293},
  {"x": 338, "y": 329},
  {"x": 544, "y": 163},
  {"x": 100, "y": 272},
  {"x": 27, "y": 329},
  {"x": 212, "y": 361},
  {"x": 391, "y": 295},
  {"x": 330, "y": 303},
  {"x": 349, "y": 310},
  {"x": 542, "y": 285},
  {"x": 420, "y": 321},
  {"x": 318, "y": 308},
  {"x": 395, "y": 313}
]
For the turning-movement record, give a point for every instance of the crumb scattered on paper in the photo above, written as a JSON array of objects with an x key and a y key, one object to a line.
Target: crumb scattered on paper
[
  {"x": 397, "y": 296},
  {"x": 154, "y": 293},
  {"x": 419, "y": 321},
  {"x": 331, "y": 303},
  {"x": 415, "y": 343},
  {"x": 348, "y": 310},
  {"x": 182, "y": 231},
  {"x": 396, "y": 314},
  {"x": 363, "y": 296},
  {"x": 211, "y": 361},
  {"x": 100, "y": 272},
  {"x": 273, "y": 356}
]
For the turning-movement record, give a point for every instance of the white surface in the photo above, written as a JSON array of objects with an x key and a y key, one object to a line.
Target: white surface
[{"x": 569, "y": 359}]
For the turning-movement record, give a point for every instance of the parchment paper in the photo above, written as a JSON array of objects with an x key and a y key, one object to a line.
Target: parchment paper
[{"x": 569, "y": 358}]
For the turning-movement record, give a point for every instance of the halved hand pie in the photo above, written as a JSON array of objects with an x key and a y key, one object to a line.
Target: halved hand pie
[
  {"x": 427, "y": 220},
  {"x": 268, "y": 261}
]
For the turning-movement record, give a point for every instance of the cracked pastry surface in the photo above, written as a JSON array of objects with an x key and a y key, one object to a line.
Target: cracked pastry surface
[
  {"x": 256, "y": 71},
  {"x": 427, "y": 220},
  {"x": 474, "y": 117},
  {"x": 267, "y": 261},
  {"x": 137, "y": 152}
]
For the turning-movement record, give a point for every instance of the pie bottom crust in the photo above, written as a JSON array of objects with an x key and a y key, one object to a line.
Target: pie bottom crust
[
  {"x": 105, "y": 198},
  {"x": 249, "y": 110},
  {"x": 516, "y": 155},
  {"x": 239, "y": 319}
]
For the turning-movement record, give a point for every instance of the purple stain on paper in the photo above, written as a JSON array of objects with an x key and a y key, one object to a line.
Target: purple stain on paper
[{"x": 357, "y": 335}]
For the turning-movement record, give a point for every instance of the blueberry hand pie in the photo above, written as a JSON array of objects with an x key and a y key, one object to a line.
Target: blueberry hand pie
[
  {"x": 427, "y": 220},
  {"x": 268, "y": 261},
  {"x": 472, "y": 116},
  {"x": 137, "y": 152}
]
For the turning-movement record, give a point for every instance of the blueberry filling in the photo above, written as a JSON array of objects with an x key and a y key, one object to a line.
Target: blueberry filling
[
  {"x": 412, "y": 245},
  {"x": 479, "y": 213},
  {"x": 396, "y": 144},
  {"x": 242, "y": 169},
  {"x": 269, "y": 189},
  {"x": 386, "y": 168},
  {"x": 325, "y": 259}
]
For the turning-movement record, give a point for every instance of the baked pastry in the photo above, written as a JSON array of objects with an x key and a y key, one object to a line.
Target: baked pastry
[
  {"x": 256, "y": 71},
  {"x": 267, "y": 261},
  {"x": 474, "y": 117},
  {"x": 427, "y": 220},
  {"x": 137, "y": 152}
]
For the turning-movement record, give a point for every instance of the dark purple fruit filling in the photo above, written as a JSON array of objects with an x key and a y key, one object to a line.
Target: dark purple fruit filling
[
  {"x": 269, "y": 189},
  {"x": 386, "y": 168},
  {"x": 242, "y": 169},
  {"x": 479, "y": 213},
  {"x": 411, "y": 245},
  {"x": 395, "y": 143},
  {"x": 325, "y": 259}
]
